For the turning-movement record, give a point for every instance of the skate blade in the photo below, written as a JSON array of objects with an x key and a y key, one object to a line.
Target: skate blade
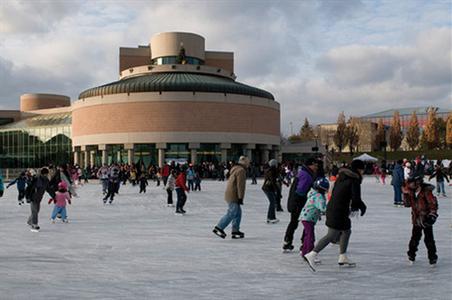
[
  {"x": 348, "y": 265},
  {"x": 309, "y": 265}
]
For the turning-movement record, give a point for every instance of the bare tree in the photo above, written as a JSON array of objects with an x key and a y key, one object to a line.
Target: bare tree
[
  {"x": 449, "y": 131},
  {"x": 352, "y": 134},
  {"x": 340, "y": 137}
]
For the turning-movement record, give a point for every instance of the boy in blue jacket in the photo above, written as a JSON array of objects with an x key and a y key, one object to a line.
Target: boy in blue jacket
[{"x": 21, "y": 182}]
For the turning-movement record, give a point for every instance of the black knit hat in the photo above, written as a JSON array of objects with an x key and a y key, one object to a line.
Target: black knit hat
[
  {"x": 311, "y": 161},
  {"x": 357, "y": 164}
]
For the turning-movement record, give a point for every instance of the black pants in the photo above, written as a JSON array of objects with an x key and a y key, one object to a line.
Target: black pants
[
  {"x": 35, "y": 206},
  {"x": 429, "y": 241},
  {"x": 181, "y": 199},
  {"x": 170, "y": 196},
  {"x": 142, "y": 189},
  {"x": 21, "y": 195},
  {"x": 165, "y": 179},
  {"x": 293, "y": 224}
]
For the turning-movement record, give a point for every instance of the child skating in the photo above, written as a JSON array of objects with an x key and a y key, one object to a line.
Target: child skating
[
  {"x": 143, "y": 183},
  {"x": 61, "y": 196},
  {"x": 21, "y": 183},
  {"x": 314, "y": 207},
  {"x": 424, "y": 207}
]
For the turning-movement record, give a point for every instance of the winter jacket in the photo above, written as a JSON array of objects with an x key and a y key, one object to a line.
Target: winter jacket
[
  {"x": 190, "y": 174},
  {"x": 346, "y": 195},
  {"x": 171, "y": 183},
  {"x": 305, "y": 180},
  {"x": 37, "y": 187},
  {"x": 102, "y": 174},
  {"x": 315, "y": 205},
  {"x": 422, "y": 204},
  {"x": 397, "y": 176},
  {"x": 235, "y": 188},
  {"x": 270, "y": 178},
  {"x": 180, "y": 182},
  {"x": 61, "y": 198},
  {"x": 166, "y": 170},
  {"x": 407, "y": 173},
  {"x": 440, "y": 175},
  {"x": 21, "y": 183}
]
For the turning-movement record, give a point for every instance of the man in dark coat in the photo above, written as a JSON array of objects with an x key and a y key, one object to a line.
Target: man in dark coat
[
  {"x": 297, "y": 199},
  {"x": 346, "y": 198},
  {"x": 35, "y": 192},
  {"x": 397, "y": 182}
]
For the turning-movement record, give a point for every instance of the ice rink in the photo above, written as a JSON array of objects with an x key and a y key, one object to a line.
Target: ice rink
[{"x": 138, "y": 248}]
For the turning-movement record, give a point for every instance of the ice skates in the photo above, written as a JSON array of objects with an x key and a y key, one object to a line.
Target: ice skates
[
  {"x": 272, "y": 221},
  {"x": 310, "y": 259},
  {"x": 237, "y": 235},
  {"x": 220, "y": 232},
  {"x": 345, "y": 262}
]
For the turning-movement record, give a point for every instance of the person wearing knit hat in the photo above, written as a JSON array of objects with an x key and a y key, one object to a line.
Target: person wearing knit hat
[
  {"x": 234, "y": 195},
  {"x": 346, "y": 198}
]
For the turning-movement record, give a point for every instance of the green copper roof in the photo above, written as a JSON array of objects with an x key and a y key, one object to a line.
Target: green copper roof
[{"x": 176, "y": 82}]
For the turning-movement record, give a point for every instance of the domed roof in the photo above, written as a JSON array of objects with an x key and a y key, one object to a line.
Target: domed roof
[{"x": 176, "y": 82}]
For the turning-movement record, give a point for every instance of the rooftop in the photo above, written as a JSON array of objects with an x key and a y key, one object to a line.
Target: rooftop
[{"x": 403, "y": 112}]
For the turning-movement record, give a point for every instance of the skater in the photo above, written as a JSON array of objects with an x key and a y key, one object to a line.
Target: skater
[
  {"x": 234, "y": 194},
  {"x": 143, "y": 183},
  {"x": 2, "y": 188},
  {"x": 170, "y": 186},
  {"x": 253, "y": 174},
  {"x": 21, "y": 183},
  {"x": 102, "y": 174},
  {"x": 297, "y": 199},
  {"x": 181, "y": 188},
  {"x": 424, "y": 207},
  {"x": 346, "y": 198},
  {"x": 190, "y": 177},
  {"x": 166, "y": 170},
  {"x": 397, "y": 182},
  {"x": 440, "y": 176},
  {"x": 113, "y": 183},
  {"x": 314, "y": 207},
  {"x": 61, "y": 196},
  {"x": 197, "y": 181},
  {"x": 35, "y": 192},
  {"x": 270, "y": 189}
]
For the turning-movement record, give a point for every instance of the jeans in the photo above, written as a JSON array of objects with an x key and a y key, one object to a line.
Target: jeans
[
  {"x": 271, "y": 214},
  {"x": 104, "y": 185},
  {"x": 308, "y": 237},
  {"x": 397, "y": 194},
  {"x": 190, "y": 184},
  {"x": 181, "y": 199},
  {"x": 440, "y": 188},
  {"x": 59, "y": 210},
  {"x": 234, "y": 215},
  {"x": 332, "y": 236},
  {"x": 35, "y": 206},
  {"x": 428, "y": 240}
]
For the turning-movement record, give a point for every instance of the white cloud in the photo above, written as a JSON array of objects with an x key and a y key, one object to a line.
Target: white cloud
[{"x": 316, "y": 57}]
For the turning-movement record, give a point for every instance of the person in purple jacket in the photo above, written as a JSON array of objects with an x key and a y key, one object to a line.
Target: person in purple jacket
[{"x": 295, "y": 203}]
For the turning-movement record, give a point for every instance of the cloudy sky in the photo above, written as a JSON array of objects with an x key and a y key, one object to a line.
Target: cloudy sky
[{"x": 316, "y": 57}]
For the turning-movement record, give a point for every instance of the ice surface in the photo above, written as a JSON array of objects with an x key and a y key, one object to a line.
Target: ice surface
[{"x": 138, "y": 249}]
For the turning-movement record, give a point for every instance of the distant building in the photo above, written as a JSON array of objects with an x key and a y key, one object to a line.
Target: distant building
[{"x": 405, "y": 116}]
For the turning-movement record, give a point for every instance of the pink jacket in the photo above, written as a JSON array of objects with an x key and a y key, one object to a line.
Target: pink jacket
[{"x": 61, "y": 198}]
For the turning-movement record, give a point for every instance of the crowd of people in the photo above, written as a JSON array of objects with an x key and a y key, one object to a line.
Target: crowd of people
[{"x": 312, "y": 193}]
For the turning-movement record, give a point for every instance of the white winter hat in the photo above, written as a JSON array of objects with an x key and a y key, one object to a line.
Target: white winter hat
[
  {"x": 243, "y": 160},
  {"x": 273, "y": 163}
]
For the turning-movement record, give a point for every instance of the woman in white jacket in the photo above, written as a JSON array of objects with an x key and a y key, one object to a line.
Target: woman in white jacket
[{"x": 170, "y": 185}]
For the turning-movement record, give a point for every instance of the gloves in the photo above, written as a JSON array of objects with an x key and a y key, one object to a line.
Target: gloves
[
  {"x": 50, "y": 200},
  {"x": 240, "y": 201},
  {"x": 430, "y": 220}
]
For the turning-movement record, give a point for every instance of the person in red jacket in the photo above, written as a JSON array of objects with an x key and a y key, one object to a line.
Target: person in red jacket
[
  {"x": 181, "y": 188},
  {"x": 424, "y": 207}
]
